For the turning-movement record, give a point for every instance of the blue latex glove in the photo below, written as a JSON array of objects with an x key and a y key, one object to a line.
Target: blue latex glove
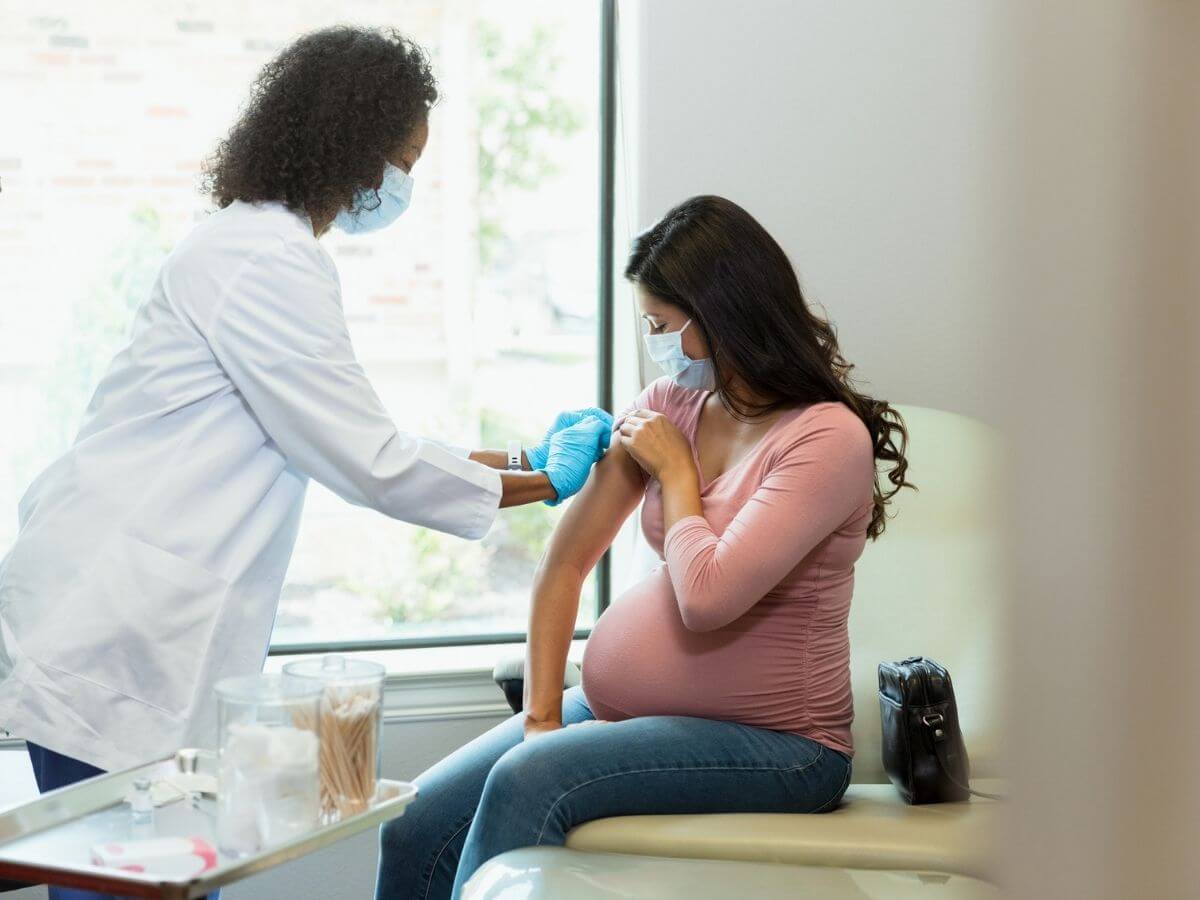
[
  {"x": 537, "y": 454},
  {"x": 572, "y": 452}
]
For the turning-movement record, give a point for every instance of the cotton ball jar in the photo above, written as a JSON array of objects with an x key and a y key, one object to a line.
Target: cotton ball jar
[{"x": 269, "y": 783}]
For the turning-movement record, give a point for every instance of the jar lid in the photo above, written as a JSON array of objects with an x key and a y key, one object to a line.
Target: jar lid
[
  {"x": 333, "y": 668},
  {"x": 278, "y": 689}
]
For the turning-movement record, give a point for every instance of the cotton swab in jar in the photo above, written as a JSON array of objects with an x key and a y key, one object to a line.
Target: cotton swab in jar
[{"x": 349, "y": 741}]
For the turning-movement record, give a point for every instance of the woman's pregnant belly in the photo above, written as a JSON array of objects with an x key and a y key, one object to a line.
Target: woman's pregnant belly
[{"x": 641, "y": 661}]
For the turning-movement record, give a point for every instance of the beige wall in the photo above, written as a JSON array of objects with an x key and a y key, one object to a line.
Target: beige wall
[
  {"x": 1098, "y": 247},
  {"x": 852, "y": 130}
]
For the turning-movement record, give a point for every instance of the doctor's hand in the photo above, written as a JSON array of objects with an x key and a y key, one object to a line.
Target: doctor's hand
[
  {"x": 538, "y": 453},
  {"x": 571, "y": 454},
  {"x": 656, "y": 444}
]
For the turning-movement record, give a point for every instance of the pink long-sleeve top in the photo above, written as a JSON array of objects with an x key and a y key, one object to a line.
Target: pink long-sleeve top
[{"x": 745, "y": 620}]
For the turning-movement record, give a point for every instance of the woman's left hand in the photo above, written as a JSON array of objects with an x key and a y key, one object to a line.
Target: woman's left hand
[
  {"x": 656, "y": 444},
  {"x": 533, "y": 729}
]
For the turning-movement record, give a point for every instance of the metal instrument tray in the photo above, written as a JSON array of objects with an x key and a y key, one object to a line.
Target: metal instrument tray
[{"x": 49, "y": 840}]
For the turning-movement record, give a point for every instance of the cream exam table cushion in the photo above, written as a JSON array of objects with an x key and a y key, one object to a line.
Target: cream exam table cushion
[
  {"x": 552, "y": 873},
  {"x": 872, "y": 829}
]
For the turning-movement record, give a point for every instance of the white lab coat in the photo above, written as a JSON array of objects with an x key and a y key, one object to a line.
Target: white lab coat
[{"x": 151, "y": 555}]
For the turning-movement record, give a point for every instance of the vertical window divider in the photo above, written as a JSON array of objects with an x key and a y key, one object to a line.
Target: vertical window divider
[{"x": 604, "y": 318}]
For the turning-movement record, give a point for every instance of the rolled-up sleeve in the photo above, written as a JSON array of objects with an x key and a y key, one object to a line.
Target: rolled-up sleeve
[{"x": 280, "y": 334}]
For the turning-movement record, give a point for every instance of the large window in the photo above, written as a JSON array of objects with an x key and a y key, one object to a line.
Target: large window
[{"x": 475, "y": 315}]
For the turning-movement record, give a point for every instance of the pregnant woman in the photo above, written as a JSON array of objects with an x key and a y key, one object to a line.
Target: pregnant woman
[{"x": 721, "y": 681}]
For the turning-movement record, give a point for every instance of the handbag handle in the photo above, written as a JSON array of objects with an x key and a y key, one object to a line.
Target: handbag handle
[{"x": 933, "y": 722}]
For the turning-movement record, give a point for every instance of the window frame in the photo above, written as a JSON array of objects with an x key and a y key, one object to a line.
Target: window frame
[{"x": 604, "y": 371}]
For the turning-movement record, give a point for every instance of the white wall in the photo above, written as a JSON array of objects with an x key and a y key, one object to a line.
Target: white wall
[{"x": 854, "y": 132}]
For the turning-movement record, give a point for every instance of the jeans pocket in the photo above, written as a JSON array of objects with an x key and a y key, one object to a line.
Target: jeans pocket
[{"x": 833, "y": 802}]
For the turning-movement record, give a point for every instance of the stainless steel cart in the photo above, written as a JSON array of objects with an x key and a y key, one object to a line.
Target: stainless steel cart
[{"x": 49, "y": 840}]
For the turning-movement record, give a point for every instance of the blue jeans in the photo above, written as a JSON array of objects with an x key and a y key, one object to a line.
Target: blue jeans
[
  {"x": 53, "y": 770},
  {"x": 499, "y": 792}
]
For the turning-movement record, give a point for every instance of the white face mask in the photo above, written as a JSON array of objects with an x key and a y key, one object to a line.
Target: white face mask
[{"x": 667, "y": 351}]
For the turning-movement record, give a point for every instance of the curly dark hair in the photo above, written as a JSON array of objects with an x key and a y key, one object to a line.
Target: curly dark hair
[
  {"x": 713, "y": 260},
  {"x": 322, "y": 119}
]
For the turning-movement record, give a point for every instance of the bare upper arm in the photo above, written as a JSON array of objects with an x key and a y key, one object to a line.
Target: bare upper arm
[{"x": 587, "y": 528}]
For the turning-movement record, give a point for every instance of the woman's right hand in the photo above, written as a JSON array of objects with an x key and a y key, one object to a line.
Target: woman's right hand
[{"x": 656, "y": 444}]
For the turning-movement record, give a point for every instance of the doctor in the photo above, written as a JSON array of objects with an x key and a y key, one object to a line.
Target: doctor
[{"x": 151, "y": 555}]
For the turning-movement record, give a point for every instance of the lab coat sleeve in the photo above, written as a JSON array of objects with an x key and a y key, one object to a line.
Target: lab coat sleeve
[{"x": 280, "y": 334}]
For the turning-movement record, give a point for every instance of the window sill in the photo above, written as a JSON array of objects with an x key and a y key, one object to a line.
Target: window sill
[
  {"x": 427, "y": 684},
  {"x": 428, "y": 661},
  {"x": 432, "y": 683}
]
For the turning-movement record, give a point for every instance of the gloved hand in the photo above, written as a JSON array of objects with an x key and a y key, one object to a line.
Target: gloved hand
[
  {"x": 537, "y": 454},
  {"x": 572, "y": 452}
]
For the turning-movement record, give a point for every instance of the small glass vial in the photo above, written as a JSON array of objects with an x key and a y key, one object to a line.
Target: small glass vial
[{"x": 141, "y": 805}]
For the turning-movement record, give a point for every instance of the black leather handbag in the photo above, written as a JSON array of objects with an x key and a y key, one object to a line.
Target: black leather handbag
[{"x": 923, "y": 750}]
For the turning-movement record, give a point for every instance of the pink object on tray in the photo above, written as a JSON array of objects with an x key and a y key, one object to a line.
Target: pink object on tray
[{"x": 175, "y": 857}]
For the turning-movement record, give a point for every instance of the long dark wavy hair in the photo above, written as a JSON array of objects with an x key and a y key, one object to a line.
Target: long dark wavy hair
[
  {"x": 322, "y": 119},
  {"x": 713, "y": 260}
]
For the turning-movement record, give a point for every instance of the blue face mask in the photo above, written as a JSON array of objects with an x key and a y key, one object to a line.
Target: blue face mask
[
  {"x": 369, "y": 213},
  {"x": 667, "y": 351}
]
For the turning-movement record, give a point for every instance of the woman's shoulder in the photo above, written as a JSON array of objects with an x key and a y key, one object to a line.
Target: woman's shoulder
[
  {"x": 664, "y": 396},
  {"x": 829, "y": 442},
  {"x": 833, "y": 426}
]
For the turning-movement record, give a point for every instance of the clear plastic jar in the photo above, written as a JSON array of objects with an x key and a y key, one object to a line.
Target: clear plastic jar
[
  {"x": 269, "y": 787},
  {"x": 351, "y": 730}
]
